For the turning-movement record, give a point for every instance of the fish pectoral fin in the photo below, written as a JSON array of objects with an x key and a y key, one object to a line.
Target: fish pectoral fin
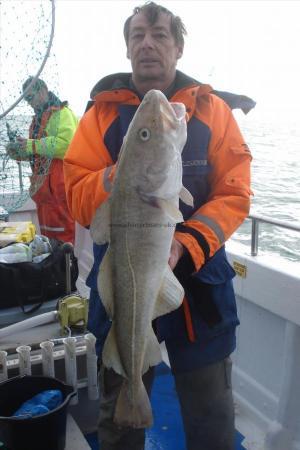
[
  {"x": 105, "y": 284},
  {"x": 170, "y": 209},
  {"x": 186, "y": 197},
  {"x": 110, "y": 356},
  {"x": 153, "y": 354},
  {"x": 100, "y": 226},
  {"x": 170, "y": 295},
  {"x": 133, "y": 412}
]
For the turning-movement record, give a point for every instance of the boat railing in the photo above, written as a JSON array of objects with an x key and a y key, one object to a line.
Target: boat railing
[{"x": 256, "y": 220}]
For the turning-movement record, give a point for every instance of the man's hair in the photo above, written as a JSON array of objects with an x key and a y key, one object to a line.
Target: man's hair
[
  {"x": 37, "y": 85},
  {"x": 152, "y": 12}
]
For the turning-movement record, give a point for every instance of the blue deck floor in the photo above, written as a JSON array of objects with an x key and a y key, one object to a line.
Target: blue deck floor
[{"x": 167, "y": 432}]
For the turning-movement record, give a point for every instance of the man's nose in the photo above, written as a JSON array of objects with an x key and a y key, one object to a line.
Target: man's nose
[{"x": 148, "y": 41}]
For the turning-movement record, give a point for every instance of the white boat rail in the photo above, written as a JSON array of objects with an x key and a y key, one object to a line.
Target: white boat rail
[{"x": 256, "y": 220}]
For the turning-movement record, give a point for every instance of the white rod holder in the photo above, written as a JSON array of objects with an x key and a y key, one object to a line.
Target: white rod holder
[
  {"x": 24, "y": 359},
  {"x": 71, "y": 365},
  {"x": 91, "y": 361},
  {"x": 47, "y": 358}
]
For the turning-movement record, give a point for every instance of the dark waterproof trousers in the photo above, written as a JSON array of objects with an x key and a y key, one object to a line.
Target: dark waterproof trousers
[{"x": 206, "y": 403}]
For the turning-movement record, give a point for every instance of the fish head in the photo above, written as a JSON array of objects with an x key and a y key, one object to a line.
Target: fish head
[{"x": 155, "y": 139}]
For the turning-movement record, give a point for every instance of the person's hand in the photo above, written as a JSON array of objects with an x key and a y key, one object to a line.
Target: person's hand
[
  {"x": 16, "y": 150},
  {"x": 22, "y": 143},
  {"x": 176, "y": 253}
]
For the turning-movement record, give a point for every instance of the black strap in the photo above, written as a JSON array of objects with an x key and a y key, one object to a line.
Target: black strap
[{"x": 198, "y": 236}]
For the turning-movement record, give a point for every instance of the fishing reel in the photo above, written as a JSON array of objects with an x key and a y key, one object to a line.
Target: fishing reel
[{"x": 72, "y": 313}]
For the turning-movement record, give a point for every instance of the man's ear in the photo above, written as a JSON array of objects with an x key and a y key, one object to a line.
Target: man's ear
[
  {"x": 180, "y": 52},
  {"x": 127, "y": 54}
]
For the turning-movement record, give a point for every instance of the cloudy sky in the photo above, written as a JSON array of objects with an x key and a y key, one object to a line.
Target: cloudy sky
[
  {"x": 249, "y": 47},
  {"x": 243, "y": 46}
]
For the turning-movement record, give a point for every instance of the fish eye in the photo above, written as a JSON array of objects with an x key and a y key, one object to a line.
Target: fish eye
[{"x": 144, "y": 134}]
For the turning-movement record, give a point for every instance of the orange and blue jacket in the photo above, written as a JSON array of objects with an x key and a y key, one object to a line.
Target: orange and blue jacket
[{"x": 216, "y": 170}]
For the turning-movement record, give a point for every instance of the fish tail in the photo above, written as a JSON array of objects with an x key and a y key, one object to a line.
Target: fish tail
[{"x": 135, "y": 413}]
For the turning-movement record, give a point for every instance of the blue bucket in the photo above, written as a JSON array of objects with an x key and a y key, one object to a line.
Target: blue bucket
[{"x": 43, "y": 432}]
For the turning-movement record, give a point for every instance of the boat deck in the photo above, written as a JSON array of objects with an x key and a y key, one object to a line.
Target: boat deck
[{"x": 167, "y": 432}]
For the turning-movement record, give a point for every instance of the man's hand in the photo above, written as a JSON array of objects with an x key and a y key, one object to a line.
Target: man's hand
[
  {"x": 176, "y": 253},
  {"x": 16, "y": 150},
  {"x": 22, "y": 143}
]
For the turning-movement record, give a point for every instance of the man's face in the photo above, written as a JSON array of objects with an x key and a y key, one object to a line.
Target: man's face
[
  {"x": 152, "y": 50},
  {"x": 36, "y": 97}
]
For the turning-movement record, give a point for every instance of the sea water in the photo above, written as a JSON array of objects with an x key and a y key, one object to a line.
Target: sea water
[
  {"x": 275, "y": 181},
  {"x": 275, "y": 148}
]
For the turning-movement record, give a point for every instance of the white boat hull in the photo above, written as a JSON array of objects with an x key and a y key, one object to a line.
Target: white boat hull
[{"x": 266, "y": 370}]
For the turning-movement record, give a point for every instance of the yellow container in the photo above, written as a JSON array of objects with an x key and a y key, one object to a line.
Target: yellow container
[{"x": 11, "y": 232}]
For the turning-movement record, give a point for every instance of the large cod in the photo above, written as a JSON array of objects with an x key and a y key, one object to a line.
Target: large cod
[{"x": 138, "y": 221}]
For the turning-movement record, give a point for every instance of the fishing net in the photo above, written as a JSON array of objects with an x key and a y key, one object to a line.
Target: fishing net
[{"x": 26, "y": 33}]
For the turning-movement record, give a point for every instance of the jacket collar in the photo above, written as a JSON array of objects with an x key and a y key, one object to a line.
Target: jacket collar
[
  {"x": 122, "y": 81},
  {"x": 122, "y": 86}
]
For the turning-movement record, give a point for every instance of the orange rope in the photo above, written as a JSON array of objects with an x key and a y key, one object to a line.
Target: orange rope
[{"x": 188, "y": 320}]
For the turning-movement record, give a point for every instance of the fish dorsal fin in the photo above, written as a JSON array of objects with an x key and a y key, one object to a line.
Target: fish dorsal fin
[
  {"x": 100, "y": 226},
  {"x": 170, "y": 209},
  {"x": 170, "y": 295},
  {"x": 186, "y": 197}
]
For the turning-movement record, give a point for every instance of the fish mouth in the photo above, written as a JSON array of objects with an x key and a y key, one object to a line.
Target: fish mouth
[
  {"x": 171, "y": 112},
  {"x": 179, "y": 110}
]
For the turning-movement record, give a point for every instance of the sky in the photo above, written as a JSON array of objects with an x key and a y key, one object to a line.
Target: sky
[{"x": 248, "y": 47}]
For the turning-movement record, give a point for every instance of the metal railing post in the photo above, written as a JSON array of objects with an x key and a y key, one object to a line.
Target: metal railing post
[
  {"x": 254, "y": 236},
  {"x": 256, "y": 220}
]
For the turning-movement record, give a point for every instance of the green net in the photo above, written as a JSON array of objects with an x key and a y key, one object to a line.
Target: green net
[{"x": 26, "y": 32}]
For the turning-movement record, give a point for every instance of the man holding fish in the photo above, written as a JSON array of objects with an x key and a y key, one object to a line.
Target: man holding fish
[{"x": 159, "y": 169}]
